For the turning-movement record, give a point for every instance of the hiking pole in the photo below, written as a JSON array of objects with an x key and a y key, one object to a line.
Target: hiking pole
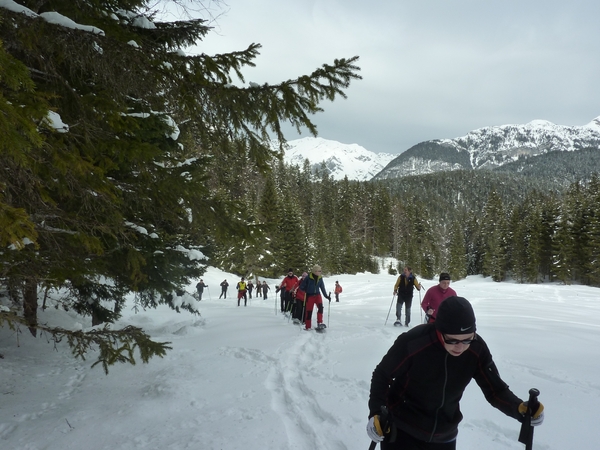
[
  {"x": 526, "y": 434},
  {"x": 388, "y": 315},
  {"x": 209, "y": 296},
  {"x": 328, "y": 309},
  {"x": 303, "y": 309},
  {"x": 420, "y": 307},
  {"x": 292, "y": 306}
]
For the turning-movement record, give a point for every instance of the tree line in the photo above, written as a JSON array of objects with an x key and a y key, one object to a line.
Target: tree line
[{"x": 493, "y": 223}]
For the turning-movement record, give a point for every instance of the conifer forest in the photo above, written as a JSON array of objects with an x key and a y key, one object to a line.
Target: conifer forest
[{"x": 127, "y": 166}]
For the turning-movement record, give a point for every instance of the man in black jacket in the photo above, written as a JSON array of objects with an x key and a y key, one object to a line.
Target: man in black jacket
[
  {"x": 421, "y": 380},
  {"x": 404, "y": 288}
]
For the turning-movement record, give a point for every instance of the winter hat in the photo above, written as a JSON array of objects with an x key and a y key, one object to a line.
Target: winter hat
[
  {"x": 315, "y": 268},
  {"x": 455, "y": 316},
  {"x": 444, "y": 276},
  {"x": 290, "y": 270}
]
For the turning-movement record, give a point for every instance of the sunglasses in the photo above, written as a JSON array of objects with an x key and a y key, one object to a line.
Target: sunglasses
[{"x": 458, "y": 341}]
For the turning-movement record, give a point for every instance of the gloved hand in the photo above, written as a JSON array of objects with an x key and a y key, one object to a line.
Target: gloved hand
[
  {"x": 395, "y": 292},
  {"x": 537, "y": 417},
  {"x": 328, "y": 298},
  {"x": 374, "y": 429}
]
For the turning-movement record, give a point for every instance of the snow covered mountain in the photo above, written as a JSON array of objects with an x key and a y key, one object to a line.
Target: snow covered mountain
[
  {"x": 351, "y": 160},
  {"x": 492, "y": 147}
]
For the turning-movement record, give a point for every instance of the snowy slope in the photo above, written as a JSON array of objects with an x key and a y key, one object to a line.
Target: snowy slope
[
  {"x": 341, "y": 160},
  {"x": 244, "y": 378}
]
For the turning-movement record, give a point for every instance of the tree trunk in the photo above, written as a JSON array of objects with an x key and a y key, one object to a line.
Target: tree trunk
[{"x": 30, "y": 304}]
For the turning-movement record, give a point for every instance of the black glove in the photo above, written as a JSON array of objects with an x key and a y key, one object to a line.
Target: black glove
[{"x": 329, "y": 298}]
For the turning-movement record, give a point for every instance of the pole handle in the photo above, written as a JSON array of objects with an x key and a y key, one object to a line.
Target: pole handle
[
  {"x": 533, "y": 401},
  {"x": 526, "y": 434}
]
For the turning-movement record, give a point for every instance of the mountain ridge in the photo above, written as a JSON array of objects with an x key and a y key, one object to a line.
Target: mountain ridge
[{"x": 492, "y": 147}]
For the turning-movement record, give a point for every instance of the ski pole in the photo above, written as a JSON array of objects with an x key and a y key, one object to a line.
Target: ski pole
[
  {"x": 420, "y": 307},
  {"x": 526, "y": 434},
  {"x": 209, "y": 296},
  {"x": 388, "y": 315},
  {"x": 328, "y": 309},
  {"x": 304, "y": 309},
  {"x": 292, "y": 306}
]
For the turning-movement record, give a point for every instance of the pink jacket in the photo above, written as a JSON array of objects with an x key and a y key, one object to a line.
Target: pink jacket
[{"x": 434, "y": 296}]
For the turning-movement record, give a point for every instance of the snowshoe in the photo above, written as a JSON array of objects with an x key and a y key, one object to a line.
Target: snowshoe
[
  {"x": 397, "y": 323},
  {"x": 296, "y": 321},
  {"x": 321, "y": 328}
]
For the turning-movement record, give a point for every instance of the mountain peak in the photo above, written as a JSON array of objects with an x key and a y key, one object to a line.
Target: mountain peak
[
  {"x": 351, "y": 160},
  {"x": 594, "y": 124}
]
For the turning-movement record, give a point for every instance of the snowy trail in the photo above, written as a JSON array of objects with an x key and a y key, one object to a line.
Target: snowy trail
[{"x": 244, "y": 378}]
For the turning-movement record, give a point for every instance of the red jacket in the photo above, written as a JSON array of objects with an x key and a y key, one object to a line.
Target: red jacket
[
  {"x": 289, "y": 283},
  {"x": 434, "y": 296}
]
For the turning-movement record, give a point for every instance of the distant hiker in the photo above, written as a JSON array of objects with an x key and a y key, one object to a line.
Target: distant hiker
[
  {"x": 416, "y": 388},
  {"x": 224, "y": 285},
  {"x": 258, "y": 288},
  {"x": 250, "y": 287},
  {"x": 404, "y": 288},
  {"x": 299, "y": 298},
  {"x": 435, "y": 295},
  {"x": 265, "y": 289},
  {"x": 241, "y": 289},
  {"x": 200, "y": 288},
  {"x": 287, "y": 285},
  {"x": 337, "y": 291},
  {"x": 311, "y": 285}
]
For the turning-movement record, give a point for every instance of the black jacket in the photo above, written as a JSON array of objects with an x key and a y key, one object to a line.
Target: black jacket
[{"x": 421, "y": 384}]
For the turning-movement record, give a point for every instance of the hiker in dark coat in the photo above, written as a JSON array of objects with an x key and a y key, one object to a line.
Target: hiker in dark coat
[{"x": 224, "y": 285}]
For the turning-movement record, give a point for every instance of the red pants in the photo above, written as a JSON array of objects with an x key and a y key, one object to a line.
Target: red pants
[{"x": 310, "y": 303}]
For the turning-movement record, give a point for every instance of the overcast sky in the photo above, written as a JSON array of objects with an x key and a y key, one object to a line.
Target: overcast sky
[{"x": 431, "y": 68}]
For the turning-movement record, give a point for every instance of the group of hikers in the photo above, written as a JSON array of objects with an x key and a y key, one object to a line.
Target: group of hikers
[
  {"x": 299, "y": 297},
  {"x": 416, "y": 388},
  {"x": 244, "y": 289},
  {"x": 404, "y": 289}
]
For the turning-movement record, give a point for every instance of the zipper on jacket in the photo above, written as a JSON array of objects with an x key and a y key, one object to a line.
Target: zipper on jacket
[{"x": 443, "y": 397}]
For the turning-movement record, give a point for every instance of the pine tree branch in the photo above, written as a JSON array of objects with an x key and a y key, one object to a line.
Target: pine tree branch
[{"x": 114, "y": 346}]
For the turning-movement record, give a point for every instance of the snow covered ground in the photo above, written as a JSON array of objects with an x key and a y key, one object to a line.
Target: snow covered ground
[{"x": 246, "y": 378}]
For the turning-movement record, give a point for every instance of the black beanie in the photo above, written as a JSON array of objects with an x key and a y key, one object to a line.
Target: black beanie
[
  {"x": 455, "y": 316},
  {"x": 290, "y": 270},
  {"x": 444, "y": 276}
]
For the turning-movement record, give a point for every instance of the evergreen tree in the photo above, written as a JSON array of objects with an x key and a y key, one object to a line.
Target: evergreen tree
[
  {"x": 593, "y": 230},
  {"x": 123, "y": 197},
  {"x": 457, "y": 260},
  {"x": 519, "y": 235},
  {"x": 494, "y": 231}
]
